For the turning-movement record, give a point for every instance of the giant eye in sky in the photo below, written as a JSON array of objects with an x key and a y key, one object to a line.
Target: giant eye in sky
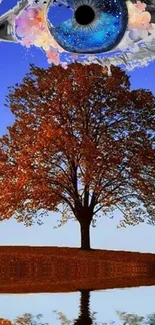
[
  {"x": 118, "y": 32},
  {"x": 96, "y": 26}
]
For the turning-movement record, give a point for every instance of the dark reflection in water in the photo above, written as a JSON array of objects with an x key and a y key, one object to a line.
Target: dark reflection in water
[
  {"x": 124, "y": 317},
  {"x": 86, "y": 317}
]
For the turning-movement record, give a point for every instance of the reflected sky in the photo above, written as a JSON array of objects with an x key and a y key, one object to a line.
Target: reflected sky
[{"x": 104, "y": 304}]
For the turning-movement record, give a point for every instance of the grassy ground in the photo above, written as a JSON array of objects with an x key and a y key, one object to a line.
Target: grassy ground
[{"x": 61, "y": 269}]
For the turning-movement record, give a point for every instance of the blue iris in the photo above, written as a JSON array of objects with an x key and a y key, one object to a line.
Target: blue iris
[{"x": 96, "y": 26}]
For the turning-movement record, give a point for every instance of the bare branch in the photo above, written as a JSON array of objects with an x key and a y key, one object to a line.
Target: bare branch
[
  {"x": 56, "y": 182},
  {"x": 93, "y": 201},
  {"x": 64, "y": 198}
]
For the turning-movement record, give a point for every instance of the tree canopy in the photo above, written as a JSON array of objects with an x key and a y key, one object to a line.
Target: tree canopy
[{"x": 83, "y": 139}]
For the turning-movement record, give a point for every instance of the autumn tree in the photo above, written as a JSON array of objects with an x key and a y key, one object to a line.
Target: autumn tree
[
  {"x": 134, "y": 319},
  {"x": 84, "y": 315},
  {"x": 82, "y": 140},
  {"x": 25, "y": 319}
]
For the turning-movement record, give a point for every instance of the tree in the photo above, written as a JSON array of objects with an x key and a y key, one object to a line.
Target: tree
[
  {"x": 89, "y": 317},
  {"x": 134, "y": 319},
  {"x": 25, "y": 319},
  {"x": 82, "y": 140},
  {"x": 131, "y": 319},
  {"x": 85, "y": 316}
]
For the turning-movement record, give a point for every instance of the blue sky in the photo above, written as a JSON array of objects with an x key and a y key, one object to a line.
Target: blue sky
[{"x": 14, "y": 64}]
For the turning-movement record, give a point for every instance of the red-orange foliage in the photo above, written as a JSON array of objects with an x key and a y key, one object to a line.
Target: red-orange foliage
[
  {"x": 5, "y": 321},
  {"x": 25, "y": 319},
  {"x": 80, "y": 138}
]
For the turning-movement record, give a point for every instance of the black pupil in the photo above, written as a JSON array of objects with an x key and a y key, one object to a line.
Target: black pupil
[{"x": 84, "y": 15}]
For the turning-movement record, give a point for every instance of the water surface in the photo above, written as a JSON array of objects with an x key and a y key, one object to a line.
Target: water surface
[{"x": 85, "y": 307}]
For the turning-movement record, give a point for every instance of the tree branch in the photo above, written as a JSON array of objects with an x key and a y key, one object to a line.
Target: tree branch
[
  {"x": 105, "y": 127},
  {"x": 69, "y": 203},
  {"x": 93, "y": 201},
  {"x": 66, "y": 200},
  {"x": 63, "y": 187},
  {"x": 121, "y": 210},
  {"x": 120, "y": 198},
  {"x": 78, "y": 201},
  {"x": 116, "y": 121},
  {"x": 59, "y": 166},
  {"x": 111, "y": 181},
  {"x": 86, "y": 195},
  {"x": 98, "y": 209}
]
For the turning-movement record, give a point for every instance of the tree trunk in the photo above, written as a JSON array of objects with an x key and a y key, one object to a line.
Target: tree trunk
[{"x": 85, "y": 234}]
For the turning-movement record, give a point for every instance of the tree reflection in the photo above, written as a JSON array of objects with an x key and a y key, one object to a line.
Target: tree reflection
[
  {"x": 25, "y": 319},
  {"x": 86, "y": 317},
  {"x": 134, "y": 319},
  {"x": 124, "y": 317},
  {"x": 29, "y": 319},
  {"x": 63, "y": 319}
]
